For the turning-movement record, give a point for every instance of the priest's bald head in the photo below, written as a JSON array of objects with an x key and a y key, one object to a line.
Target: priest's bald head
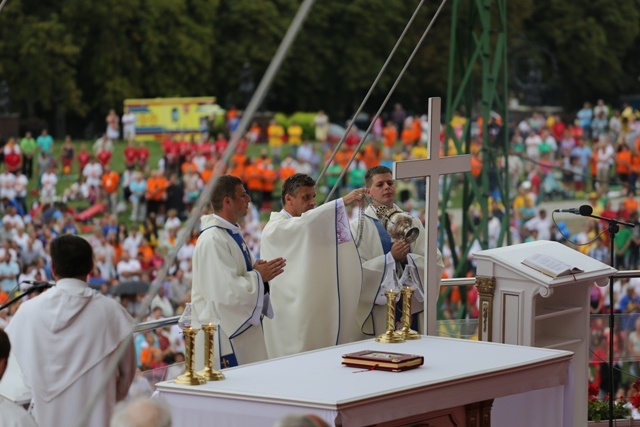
[
  {"x": 71, "y": 257},
  {"x": 298, "y": 194}
]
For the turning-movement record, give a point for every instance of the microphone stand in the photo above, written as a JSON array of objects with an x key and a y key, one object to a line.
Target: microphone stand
[
  {"x": 613, "y": 229},
  {"x": 24, "y": 294}
]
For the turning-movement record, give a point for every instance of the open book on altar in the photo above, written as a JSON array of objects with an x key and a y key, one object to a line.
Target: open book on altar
[{"x": 550, "y": 266}]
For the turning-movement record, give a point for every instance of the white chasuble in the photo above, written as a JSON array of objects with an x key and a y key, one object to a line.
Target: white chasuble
[
  {"x": 373, "y": 250},
  {"x": 223, "y": 273},
  {"x": 314, "y": 301}
]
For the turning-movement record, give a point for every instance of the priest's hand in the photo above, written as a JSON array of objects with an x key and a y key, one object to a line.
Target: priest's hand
[
  {"x": 270, "y": 269},
  {"x": 354, "y": 196},
  {"x": 399, "y": 250}
]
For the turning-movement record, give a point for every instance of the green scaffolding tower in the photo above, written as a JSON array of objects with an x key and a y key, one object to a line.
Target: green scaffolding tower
[{"x": 477, "y": 88}]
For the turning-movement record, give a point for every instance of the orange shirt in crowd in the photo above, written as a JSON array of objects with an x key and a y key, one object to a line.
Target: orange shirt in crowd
[
  {"x": 157, "y": 188},
  {"x": 110, "y": 181},
  {"x": 147, "y": 252},
  {"x": 270, "y": 178},
  {"x": 237, "y": 170},
  {"x": 407, "y": 137},
  {"x": 371, "y": 156},
  {"x": 188, "y": 164},
  {"x": 117, "y": 252},
  {"x": 390, "y": 134},
  {"x": 417, "y": 129},
  {"x": 594, "y": 164},
  {"x": 232, "y": 113},
  {"x": 476, "y": 166},
  {"x": 342, "y": 157},
  {"x": 253, "y": 177},
  {"x": 239, "y": 159},
  {"x": 151, "y": 357},
  {"x": 206, "y": 175},
  {"x": 623, "y": 162},
  {"x": 286, "y": 172},
  {"x": 255, "y": 131},
  {"x": 630, "y": 205},
  {"x": 635, "y": 163}
]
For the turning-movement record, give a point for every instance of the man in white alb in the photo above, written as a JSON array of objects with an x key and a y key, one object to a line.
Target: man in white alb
[
  {"x": 315, "y": 300},
  {"x": 378, "y": 252},
  {"x": 224, "y": 273},
  {"x": 65, "y": 338}
]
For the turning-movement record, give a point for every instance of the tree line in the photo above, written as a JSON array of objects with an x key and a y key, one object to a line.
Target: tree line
[{"x": 70, "y": 61}]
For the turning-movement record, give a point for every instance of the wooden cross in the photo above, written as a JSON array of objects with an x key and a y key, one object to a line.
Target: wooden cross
[{"x": 431, "y": 169}]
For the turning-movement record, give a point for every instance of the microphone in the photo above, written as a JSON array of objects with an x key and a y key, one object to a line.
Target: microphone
[
  {"x": 38, "y": 284},
  {"x": 584, "y": 210}
]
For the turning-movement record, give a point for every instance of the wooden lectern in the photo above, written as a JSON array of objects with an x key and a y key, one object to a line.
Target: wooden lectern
[{"x": 520, "y": 305}]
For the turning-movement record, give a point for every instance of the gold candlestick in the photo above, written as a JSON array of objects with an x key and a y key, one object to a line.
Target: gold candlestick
[
  {"x": 189, "y": 377},
  {"x": 208, "y": 373},
  {"x": 391, "y": 335},
  {"x": 406, "y": 331}
]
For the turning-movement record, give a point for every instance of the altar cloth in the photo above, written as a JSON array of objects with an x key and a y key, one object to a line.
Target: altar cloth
[{"x": 455, "y": 372}]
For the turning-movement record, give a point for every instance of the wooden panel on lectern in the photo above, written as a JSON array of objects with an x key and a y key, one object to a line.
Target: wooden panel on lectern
[{"x": 510, "y": 310}]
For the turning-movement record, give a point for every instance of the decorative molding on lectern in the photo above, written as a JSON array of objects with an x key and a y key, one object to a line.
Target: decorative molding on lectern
[
  {"x": 486, "y": 289},
  {"x": 479, "y": 414}
]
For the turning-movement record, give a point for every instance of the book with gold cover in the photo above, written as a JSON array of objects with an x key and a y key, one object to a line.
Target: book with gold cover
[{"x": 382, "y": 360}]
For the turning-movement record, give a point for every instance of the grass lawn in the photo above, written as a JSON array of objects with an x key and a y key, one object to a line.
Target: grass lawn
[
  {"x": 117, "y": 164},
  {"x": 65, "y": 181}
]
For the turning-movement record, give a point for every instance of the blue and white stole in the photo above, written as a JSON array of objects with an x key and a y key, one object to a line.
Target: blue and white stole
[{"x": 230, "y": 360}]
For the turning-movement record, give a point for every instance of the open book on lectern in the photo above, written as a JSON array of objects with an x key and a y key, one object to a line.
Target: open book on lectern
[{"x": 550, "y": 266}]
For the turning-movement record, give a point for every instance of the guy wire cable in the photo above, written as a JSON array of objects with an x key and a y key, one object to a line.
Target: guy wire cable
[
  {"x": 384, "y": 103},
  {"x": 204, "y": 197},
  {"x": 371, "y": 88}
]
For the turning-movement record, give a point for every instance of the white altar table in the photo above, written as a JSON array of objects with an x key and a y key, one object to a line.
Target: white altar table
[{"x": 455, "y": 373}]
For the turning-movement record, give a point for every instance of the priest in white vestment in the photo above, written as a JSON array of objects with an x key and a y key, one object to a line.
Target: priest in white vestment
[
  {"x": 314, "y": 301},
  {"x": 11, "y": 415},
  {"x": 65, "y": 338},
  {"x": 378, "y": 252},
  {"x": 224, "y": 273}
]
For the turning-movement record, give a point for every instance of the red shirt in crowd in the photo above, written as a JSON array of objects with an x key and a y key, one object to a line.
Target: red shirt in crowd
[
  {"x": 130, "y": 156},
  {"x": 104, "y": 157},
  {"x": 13, "y": 161},
  {"x": 143, "y": 155},
  {"x": 83, "y": 159}
]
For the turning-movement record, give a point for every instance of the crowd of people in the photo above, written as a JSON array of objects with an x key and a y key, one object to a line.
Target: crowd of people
[{"x": 578, "y": 156}]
